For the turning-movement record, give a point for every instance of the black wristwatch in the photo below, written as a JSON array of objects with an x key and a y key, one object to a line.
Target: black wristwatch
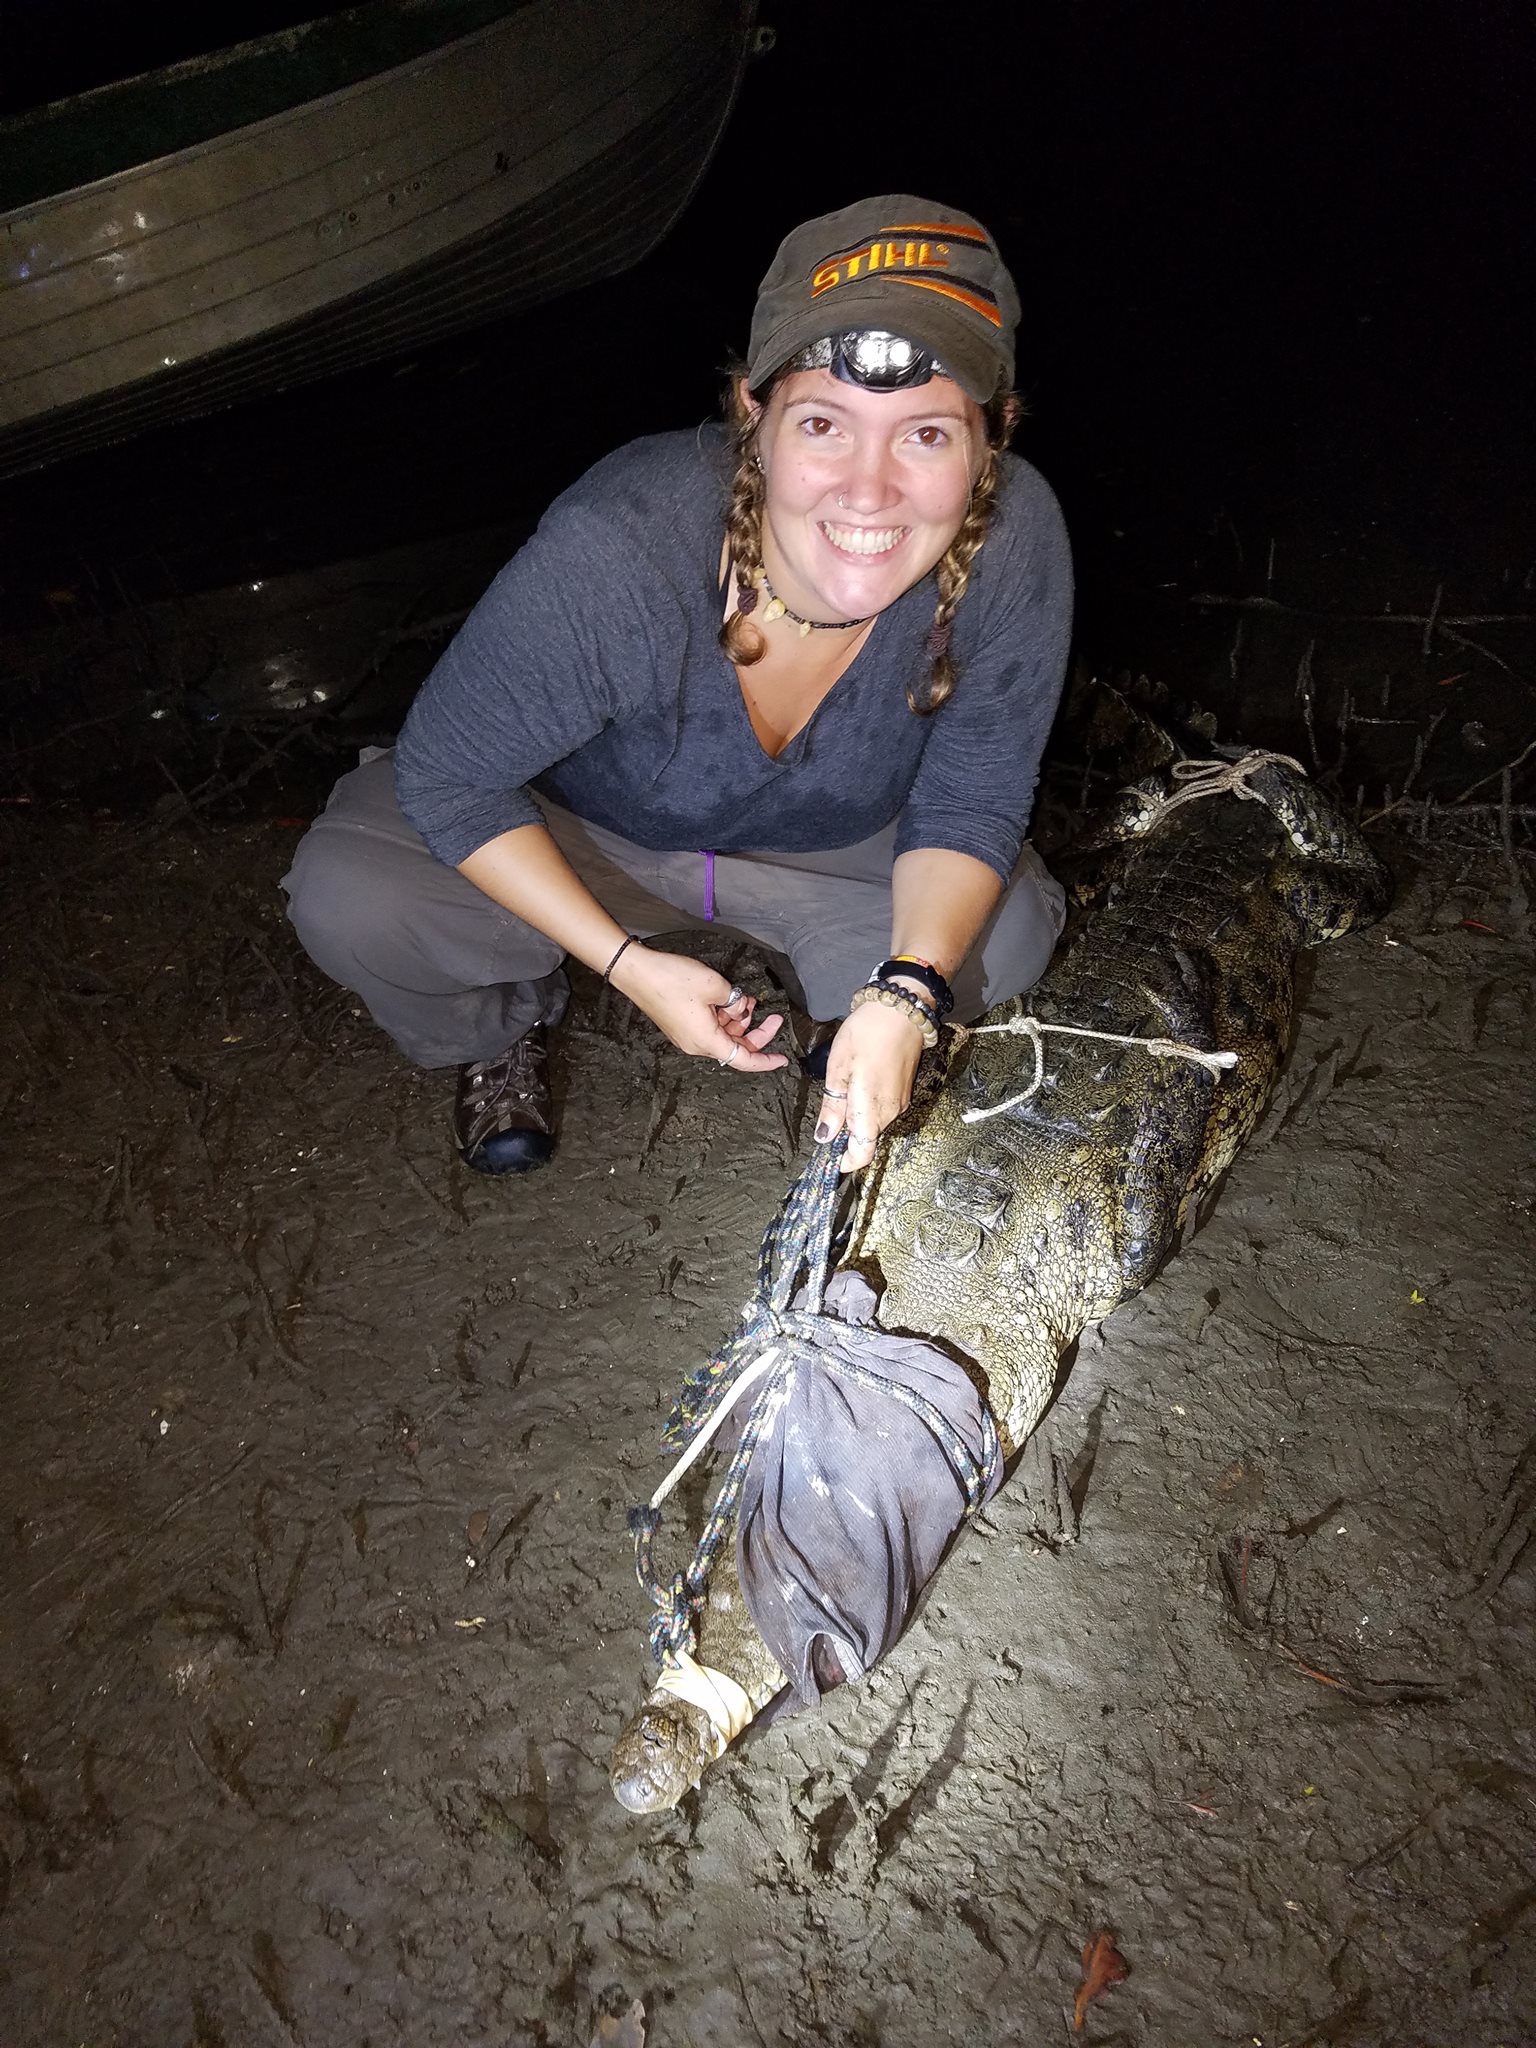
[{"x": 926, "y": 977}]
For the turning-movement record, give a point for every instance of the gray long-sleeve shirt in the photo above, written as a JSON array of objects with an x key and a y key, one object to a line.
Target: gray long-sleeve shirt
[{"x": 591, "y": 670}]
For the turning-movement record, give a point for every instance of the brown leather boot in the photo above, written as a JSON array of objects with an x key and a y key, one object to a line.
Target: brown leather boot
[{"x": 503, "y": 1120}]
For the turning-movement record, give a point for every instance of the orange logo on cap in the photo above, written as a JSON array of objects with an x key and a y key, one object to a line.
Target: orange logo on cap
[{"x": 899, "y": 259}]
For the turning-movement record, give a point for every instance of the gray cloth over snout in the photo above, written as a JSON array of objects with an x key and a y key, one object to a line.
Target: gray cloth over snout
[{"x": 855, "y": 1491}]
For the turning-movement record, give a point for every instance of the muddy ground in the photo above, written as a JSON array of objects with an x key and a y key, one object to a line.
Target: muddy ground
[{"x": 319, "y": 1614}]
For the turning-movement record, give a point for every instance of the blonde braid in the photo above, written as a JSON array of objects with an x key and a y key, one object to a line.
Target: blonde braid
[
  {"x": 954, "y": 570},
  {"x": 741, "y": 638}
]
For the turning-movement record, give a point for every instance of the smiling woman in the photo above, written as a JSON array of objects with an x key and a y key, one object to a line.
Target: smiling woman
[
  {"x": 793, "y": 676},
  {"x": 864, "y": 490},
  {"x": 845, "y": 463}
]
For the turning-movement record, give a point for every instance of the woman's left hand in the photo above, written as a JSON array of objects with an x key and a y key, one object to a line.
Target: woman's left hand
[{"x": 870, "y": 1069}]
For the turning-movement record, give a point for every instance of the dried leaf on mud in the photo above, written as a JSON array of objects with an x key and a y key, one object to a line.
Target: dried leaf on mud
[
  {"x": 479, "y": 1524},
  {"x": 1103, "y": 1965},
  {"x": 628, "y": 2032}
]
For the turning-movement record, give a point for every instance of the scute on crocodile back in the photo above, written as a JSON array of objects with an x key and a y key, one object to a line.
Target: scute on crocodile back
[{"x": 1007, "y": 1235}]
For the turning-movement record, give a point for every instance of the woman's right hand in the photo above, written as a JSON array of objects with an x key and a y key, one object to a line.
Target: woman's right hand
[{"x": 692, "y": 1004}]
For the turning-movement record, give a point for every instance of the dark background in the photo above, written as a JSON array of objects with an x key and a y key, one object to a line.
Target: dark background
[{"x": 1275, "y": 272}]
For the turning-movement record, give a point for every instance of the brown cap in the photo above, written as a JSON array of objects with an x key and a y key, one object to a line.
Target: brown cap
[{"x": 926, "y": 272}]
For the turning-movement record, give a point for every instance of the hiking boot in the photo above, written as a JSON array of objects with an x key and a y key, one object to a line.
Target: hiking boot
[{"x": 502, "y": 1120}]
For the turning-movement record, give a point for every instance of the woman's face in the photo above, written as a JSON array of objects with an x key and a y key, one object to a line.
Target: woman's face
[{"x": 865, "y": 490}]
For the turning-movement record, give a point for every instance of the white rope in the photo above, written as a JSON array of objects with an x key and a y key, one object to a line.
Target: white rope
[
  {"x": 718, "y": 1696},
  {"x": 1199, "y": 778},
  {"x": 1032, "y": 1027},
  {"x": 750, "y": 1377},
  {"x": 1218, "y": 778}
]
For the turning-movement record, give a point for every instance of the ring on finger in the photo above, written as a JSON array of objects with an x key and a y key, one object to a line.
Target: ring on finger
[
  {"x": 730, "y": 1058},
  {"x": 732, "y": 999},
  {"x": 835, "y": 1094}
]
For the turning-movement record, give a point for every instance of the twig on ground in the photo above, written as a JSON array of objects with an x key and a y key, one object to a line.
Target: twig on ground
[
  {"x": 1418, "y": 804},
  {"x": 1299, "y": 611},
  {"x": 1234, "y": 1558},
  {"x": 1470, "y": 828},
  {"x": 1310, "y": 1670},
  {"x": 1431, "y": 622},
  {"x": 279, "y": 1343},
  {"x": 1507, "y": 841},
  {"x": 1487, "y": 653},
  {"x": 1306, "y": 694},
  {"x": 1496, "y": 774},
  {"x": 450, "y": 1218},
  {"x": 192, "y": 817},
  {"x": 1420, "y": 747},
  {"x": 1509, "y": 1529},
  {"x": 664, "y": 1101},
  {"x": 16, "y": 755}
]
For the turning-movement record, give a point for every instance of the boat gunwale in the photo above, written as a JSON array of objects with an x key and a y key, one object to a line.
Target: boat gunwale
[
  {"x": 274, "y": 45},
  {"x": 251, "y": 379},
  {"x": 246, "y": 247},
  {"x": 214, "y": 145},
  {"x": 316, "y": 346}
]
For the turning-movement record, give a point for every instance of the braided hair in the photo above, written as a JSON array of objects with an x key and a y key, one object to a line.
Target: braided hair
[{"x": 742, "y": 638}]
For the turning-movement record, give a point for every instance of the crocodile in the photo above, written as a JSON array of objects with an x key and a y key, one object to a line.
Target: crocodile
[{"x": 1061, "y": 1156}]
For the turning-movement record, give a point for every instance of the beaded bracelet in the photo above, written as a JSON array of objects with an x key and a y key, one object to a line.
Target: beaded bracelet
[
  {"x": 899, "y": 999},
  {"x": 922, "y": 971},
  {"x": 633, "y": 938}
]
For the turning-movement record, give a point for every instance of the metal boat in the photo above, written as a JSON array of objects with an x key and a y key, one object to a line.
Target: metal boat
[{"x": 337, "y": 193}]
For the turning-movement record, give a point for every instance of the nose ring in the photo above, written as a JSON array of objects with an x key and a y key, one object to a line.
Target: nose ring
[{"x": 842, "y": 502}]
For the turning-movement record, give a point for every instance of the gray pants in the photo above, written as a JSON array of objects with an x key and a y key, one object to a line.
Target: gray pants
[{"x": 452, "y": 977}]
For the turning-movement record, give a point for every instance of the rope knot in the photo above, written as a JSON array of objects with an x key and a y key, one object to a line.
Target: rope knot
[
  {"x": 671, "y": 1629},
  {"x": 1033, "y": 1029},
  {"x": 1218, "y": 778}
]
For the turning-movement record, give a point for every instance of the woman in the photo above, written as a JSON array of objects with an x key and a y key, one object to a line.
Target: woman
[{"x": 793, "y": 677}]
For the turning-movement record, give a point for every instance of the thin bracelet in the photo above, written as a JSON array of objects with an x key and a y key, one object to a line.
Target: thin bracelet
[{"x": 628, "y": 940}]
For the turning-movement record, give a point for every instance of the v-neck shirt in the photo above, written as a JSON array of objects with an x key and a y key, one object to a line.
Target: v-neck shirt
[{"x": 591, "y": 671}]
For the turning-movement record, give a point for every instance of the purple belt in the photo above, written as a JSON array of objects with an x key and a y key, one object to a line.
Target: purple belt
[{"x": 709, "y": 883}]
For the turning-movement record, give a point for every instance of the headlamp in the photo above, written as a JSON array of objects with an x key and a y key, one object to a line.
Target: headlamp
[{"x": 871, "y": 357}]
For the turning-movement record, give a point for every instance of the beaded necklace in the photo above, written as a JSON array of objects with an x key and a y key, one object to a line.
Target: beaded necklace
[{"x": 776, "y": 608}]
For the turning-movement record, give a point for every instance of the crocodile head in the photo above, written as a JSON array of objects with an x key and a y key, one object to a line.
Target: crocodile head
[{"x": 661, "y": 1755}]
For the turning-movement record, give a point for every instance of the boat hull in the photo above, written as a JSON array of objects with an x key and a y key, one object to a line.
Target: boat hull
[{"x": 523, "y": 161}]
